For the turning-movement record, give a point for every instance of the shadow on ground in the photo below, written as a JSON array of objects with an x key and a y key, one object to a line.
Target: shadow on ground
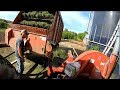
[
  {"x": 42, "y": 74},
  {"x": 38, "y": 60}
]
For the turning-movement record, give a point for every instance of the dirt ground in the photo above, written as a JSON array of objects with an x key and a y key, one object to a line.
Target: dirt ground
[{"x": 70, "y": 44}]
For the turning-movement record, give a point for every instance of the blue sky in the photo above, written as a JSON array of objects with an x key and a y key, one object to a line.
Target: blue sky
[{"x": 76, "y": 21}]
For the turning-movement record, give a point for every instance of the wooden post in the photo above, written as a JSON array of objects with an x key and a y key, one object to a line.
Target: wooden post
[{"x": 74, "y": 50}]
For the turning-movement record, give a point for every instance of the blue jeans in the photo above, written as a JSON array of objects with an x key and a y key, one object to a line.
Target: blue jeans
[{"x": 20, "y": 67}]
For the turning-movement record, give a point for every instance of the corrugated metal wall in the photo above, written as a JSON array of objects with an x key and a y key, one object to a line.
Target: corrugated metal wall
[{"x": 102, "y": 27}]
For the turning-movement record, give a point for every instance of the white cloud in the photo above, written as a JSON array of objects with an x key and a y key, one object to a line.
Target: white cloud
[
  {"x": 75, "y": 20},
  {"x": 8, "y": 15}
]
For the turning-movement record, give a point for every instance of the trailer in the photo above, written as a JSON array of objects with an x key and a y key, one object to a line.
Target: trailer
[{"x": 40, "y": 40}]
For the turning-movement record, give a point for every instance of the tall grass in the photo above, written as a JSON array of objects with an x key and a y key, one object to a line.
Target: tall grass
[{"x": 60, "y": 53}]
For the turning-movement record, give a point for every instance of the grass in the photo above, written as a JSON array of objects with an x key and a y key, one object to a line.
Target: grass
[
  {"x": 60, "y": 53},
  {"x": 2, "y": 29},
  {"x": 59, "y": 56},
  {"x": 95, "y": 47}
]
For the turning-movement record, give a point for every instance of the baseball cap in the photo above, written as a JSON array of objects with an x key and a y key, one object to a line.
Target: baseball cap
[{"x": 24, "y": 31}]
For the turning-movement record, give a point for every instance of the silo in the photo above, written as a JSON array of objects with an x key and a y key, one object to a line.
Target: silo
[{"x": 102, "y": 27}]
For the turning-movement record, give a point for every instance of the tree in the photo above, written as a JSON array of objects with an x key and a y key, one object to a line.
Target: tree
[
  {"x": 72, "y": 35},
  {"x": 65, "y": 34},
  {"x": 75, "y": 38},
  {"x": 86, "y": 32},
  {"x": 68, "y": 34},
  {"x": 66, "y": 30},
  {"x": 81, "y": 36}
]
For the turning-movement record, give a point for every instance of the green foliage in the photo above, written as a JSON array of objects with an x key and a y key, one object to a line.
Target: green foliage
[
  {"x": 2, "y": 30},
  {"x": 60, "y": 53},
  {"x": 95, "y": 47},
  {"x": 86, "y": 32},
  {"x": 41, "y": 19},
  {"x": 68, "y": 34},
  {"x": 36, "y": 24},
  {"x": 72, "y": 35},
  {"x": 65, "y": 34},
  {"x": 38, "y": 14},
  {"x": 81, "y": 36},
  {"x": 3, "y": 24},
  {"x": 75, "y": 37}
]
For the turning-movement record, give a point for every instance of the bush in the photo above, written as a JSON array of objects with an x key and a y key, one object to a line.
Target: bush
[
  {"x": 3, "y": 24},
  {"x": 75, "y": 38},
  {"x": 81, "y": 36},
  {"x": 72, "y": 35},
  {"x": 95, "y": 47},
  {"x": 68, "y": 34},
  {"x": 60, "y": 53}
]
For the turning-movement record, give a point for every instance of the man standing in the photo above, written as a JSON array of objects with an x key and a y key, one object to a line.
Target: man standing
[{"x": 19, "y": 52}]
